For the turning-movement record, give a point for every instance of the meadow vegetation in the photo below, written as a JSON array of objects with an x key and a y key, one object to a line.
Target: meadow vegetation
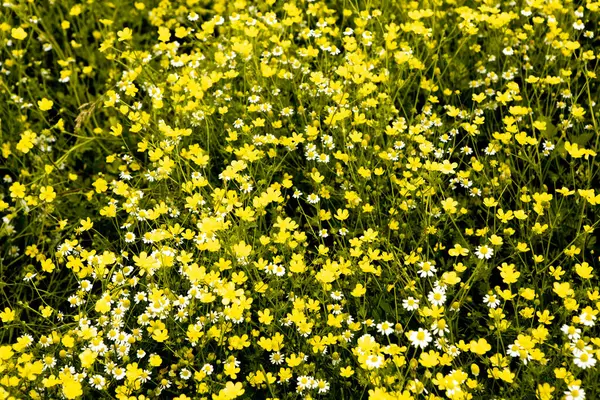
[{"x": 299, "y": 199}]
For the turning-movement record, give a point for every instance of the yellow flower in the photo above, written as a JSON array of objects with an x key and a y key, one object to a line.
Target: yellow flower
[
  {"x": 103, "y": 304},
  {"x": 155, "y": 360},
  {"x": 458, "y": 250},
  {"x": 47, "y": 194},
  {"x": 18, "y": 33},
  {"x": 430, "y": 359},
  {"x": 544, "y": 391},
  {"x": 17, "y": 190},
  {"x": 527, "y": 293},
  {"x": 71, "y": 388},
  {"x": 496, "y": 240},
  {"x": 181, "y": 32},
  {"x": 45, "y": 104},
  {"x": 6, "y": 352},
  {"x": 563, "y": 289},
  {"x": 86, "y": 224},
  {"x": 242, "y": 250},
  {"x": 125, "y": 34},
  {"x": 508, "y": 273},
  {"x": 540, "y": 125},
  {"x": 265, "y": 317},
  {"x": 75, "y": 10},
  {"x": 574, "y": 150},
  {"x": 100, "y": 185},
  {"x": 359, "y": 290},
  {"x": 584, "y": 270},
  {"x": 145, "y": 262},
  {"x": 450, "y": 278},
  {"x": 48, "y": 266},
  {"x": 68, "y": 341},
  {"x": 160, "y": 335},
  {"x": 87, "y": 358},
  {"x": 478, "y": 97},
  {"x": 232, "y": 390},
  {"x": 480, "y": 346},
  {"x": 7, "y": 315},
  {"x": 449, "y": 205},
  {"x": 116, "y": 130},
  {"x": 163, "y": 34},
  {"x": 46, "y": 311}
]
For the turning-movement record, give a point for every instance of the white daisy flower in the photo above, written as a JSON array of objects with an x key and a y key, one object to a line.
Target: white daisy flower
[
  {"x": 484, "y": 252},
  {"x": 584, "y": 360},
  {"x": 420, "y": 338},
  {"x": 385, "y": 328},
  {"x": 410, "y": 304}
]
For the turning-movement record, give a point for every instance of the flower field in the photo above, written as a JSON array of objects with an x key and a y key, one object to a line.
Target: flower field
[{"x": 301, "y": 199}]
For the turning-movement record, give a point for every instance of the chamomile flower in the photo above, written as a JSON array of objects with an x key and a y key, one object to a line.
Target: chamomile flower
[
  {"x": 374, "y": 361},
  {"x": 410, "y": 304},
  {"x": 440, "y": 327},
  {"x": 277, "y": 358},
  {"x": 129, "y": 237},
  {"x": 584, "y": 360},
  {"x": 304, "y": 382},
  {"x": 437, "y": 296},
  {"x": 572, "y": 332},
  {"x": 97, "y": 381},
  {"x": 491, "y": 300},
  {"x": 420, "y": 338},
  {"x": 322, "y": 386},
  {"x": 578, "y": 25},
  {"x": 426, "y": 269},
  {"x": 385, "y": 328},
  {"x": 313, "y": 198},
  {"x": 49, "y": 362},
  {"x": 336, "y": 295},
  {"x": 118, "y": 373},
  {"x": 588, "y": 317},
  {"x": 185, "y": 374},
  {"x": 207, "y": 369},
  {"x": 484, "y": 252},
  {"x": 575, "y": 392}
]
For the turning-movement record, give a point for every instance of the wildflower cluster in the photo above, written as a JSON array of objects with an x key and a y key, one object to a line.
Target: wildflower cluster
[{"x": 299, "y": 199}]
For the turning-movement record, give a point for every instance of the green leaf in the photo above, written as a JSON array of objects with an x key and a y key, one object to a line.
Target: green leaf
[
  {"x": 551, "y": 130},
  {"x": 582, "y": 139}
]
